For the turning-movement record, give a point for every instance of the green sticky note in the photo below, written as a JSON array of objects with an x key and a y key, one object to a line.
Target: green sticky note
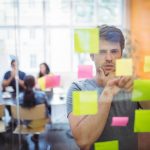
[
  {"x": 108, "y": 145},
  {"x": 85, "y": 102},
  {"x": 124, "y": 67},
  {"x": 142, "y": 121},
  {"x": 147, "y": 64},
  {"x": 141, "y": 90},
  {"x": 86, "y": 40}
]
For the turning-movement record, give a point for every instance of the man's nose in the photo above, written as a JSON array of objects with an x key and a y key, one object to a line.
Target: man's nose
[{"x": 108, "y": 57}]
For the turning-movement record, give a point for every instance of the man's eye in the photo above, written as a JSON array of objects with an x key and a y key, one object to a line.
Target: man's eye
[
  {"x": 102, "y": 52},
  {"x": 114, "y": 51}
]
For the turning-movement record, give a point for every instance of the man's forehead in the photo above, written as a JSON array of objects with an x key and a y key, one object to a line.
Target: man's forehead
[
  {"x": 14, "y": 63},
  {"x": 108, "y": 45}
]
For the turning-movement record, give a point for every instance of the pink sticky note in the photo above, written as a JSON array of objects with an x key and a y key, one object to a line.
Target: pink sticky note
[
  {"x": 120, "y": 121},
  {"x": 52, "y": 81},
  {"x": 85, "y": 71}
]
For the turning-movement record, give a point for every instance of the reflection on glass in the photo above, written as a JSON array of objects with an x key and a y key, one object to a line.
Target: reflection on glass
[
  {"x": 109, "y": 12},
  {"x": 83, "y": 12},
  {"x": 31, "y": 14},
  {"x": 31, "y": 49},
  {"x": 7, "y": 17},
  {"x": 58, "y": 12},
  {"x": 60, "y": 49}
]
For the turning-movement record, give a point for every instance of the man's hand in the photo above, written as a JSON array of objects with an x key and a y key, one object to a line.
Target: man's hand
[
  {"x": 13, "y": 73},
  {"x": 101, "y": 78},
  {"x": 126, "y": 83},
  {"x": 109, "y": 82}
]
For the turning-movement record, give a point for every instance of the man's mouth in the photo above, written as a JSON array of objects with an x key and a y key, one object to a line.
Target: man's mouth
[{"x": 108, "y": 67}]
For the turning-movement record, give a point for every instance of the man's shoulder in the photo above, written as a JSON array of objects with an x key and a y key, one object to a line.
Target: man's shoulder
[
  {"x": 7, "y": 74},
  {"x": 22, "y": 75},
  {"x": 21, "y": 72},
  {"x": 88, "y": 84}
]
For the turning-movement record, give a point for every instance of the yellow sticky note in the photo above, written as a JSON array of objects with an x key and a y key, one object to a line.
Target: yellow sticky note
[
  {"x": 108, "y": 145},
  {"x": 141, "y": 90},
  {"x": 86, "y": 40},
  {"x": 85, "y": 102},
  {"x": 41, "y": 83},
  {"x": 124, "y": 67},
  {"x": 142, "y": 121},
  {"x": 147, "y": 64}
]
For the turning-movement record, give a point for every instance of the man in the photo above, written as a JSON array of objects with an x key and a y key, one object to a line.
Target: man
[
  {"x": 114, "y": 98},
  {"x": 10, "y": 78}
]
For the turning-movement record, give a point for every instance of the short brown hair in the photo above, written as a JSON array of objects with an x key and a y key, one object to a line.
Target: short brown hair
[{"x": 112, "y": 34}]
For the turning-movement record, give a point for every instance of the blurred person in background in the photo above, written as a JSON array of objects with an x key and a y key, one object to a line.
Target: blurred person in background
[{"x": 10, "y": 78}]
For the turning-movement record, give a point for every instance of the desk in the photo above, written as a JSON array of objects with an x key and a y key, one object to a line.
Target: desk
[
  {"x": 7, "y": 101},
  {"x": 58, "y": 107}
]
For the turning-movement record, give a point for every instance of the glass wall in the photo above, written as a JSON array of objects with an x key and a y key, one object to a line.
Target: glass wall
[
  {"x": 37, "y": 31},
  {"x": 41, "y": 30}
]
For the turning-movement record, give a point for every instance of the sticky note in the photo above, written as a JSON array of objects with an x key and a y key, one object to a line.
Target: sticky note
[
  {"x": 85, "y": 71},
  {"x": 142, "y": 121},
  {"x": 86, "y": 40},
  {"x": 85, "y": 102},
  {"x": 120, "y": 121},
  {"x": 124, "y": 67},
  {"x": 52, "y": 81},
  {"x": 108, "y": 145},
  {"x": 147, "y": 64},
  {"x": 41, "y": 83},
  {"x": 141, "y": 90}
]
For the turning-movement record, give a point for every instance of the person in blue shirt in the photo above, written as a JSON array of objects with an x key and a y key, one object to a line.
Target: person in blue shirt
[{"x": 10, "y": 78}]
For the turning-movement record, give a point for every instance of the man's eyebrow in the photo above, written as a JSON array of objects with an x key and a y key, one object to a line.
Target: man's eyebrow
[
  {"x": 103, "y": 50},
  {"x": 115, "y": 49}
]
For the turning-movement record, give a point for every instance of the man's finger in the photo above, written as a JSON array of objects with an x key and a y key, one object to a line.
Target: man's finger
[
  {"x": 128, "y": 84},
  {"x": 129, "y": 89},
  {"x": 123, "y": 81},
  {"x": 101, "y": 71}
]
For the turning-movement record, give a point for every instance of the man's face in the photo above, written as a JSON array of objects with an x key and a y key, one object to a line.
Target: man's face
[
  {"x": 109, "y": 52},
  {"x": 14, "y": 65}
]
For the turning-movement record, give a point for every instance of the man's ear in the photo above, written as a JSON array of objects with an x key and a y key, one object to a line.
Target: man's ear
[{"x": 92, "y": 56}]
